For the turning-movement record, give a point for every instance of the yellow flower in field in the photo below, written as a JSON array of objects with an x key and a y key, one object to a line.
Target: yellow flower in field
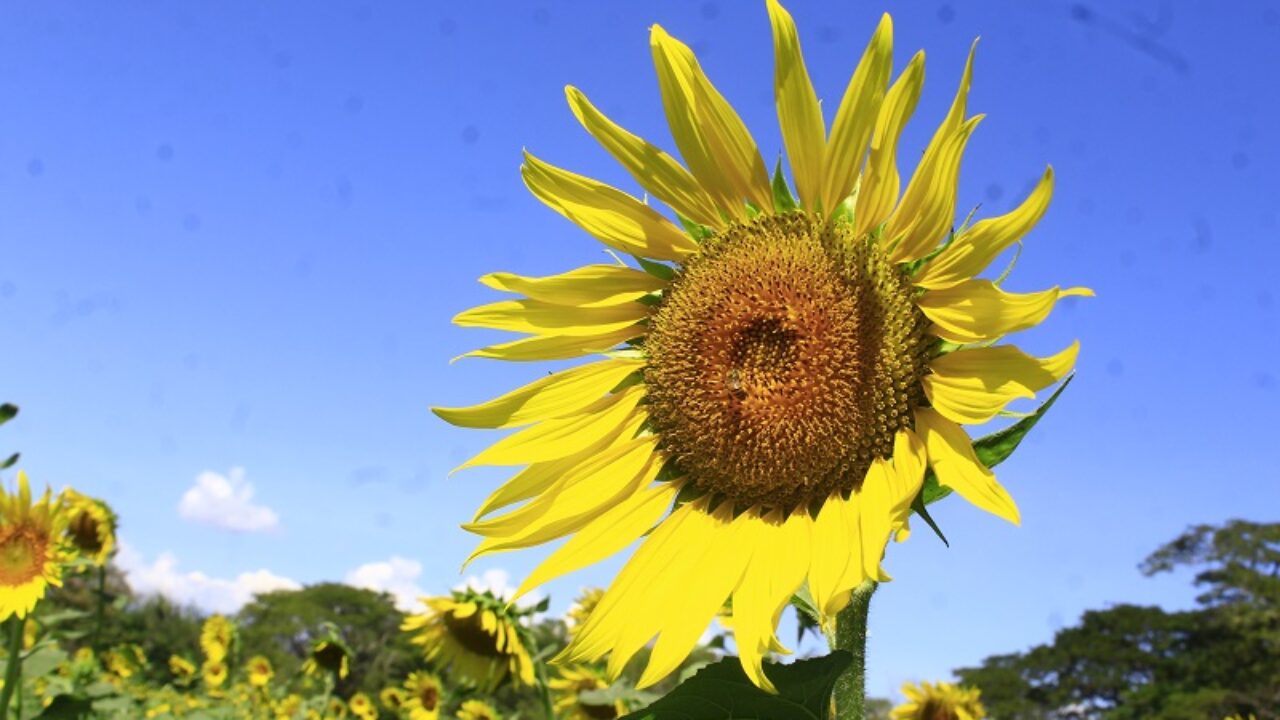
[
  {"x": 941, "y": 701},
  {"x": 216, "y": 637},
  {"x": 91, "y": 526},
  {"x": 260, "y": 671},
  {"x": 477, "y": 710},
  {"x": 33, "y": 548},
  {"x": 30, "y": 632},
  {"x": 336, "y": 710},
  {"x": 288, "y": 707},
  {"x": 362, "y": 707},
  {"x": 394, "y": 698},
  {"x": 328, "y": 656},
  {"x": 422, "y": 699},
  {"x": 214, "y": 673},
  {"x": 476, "y": 635},
  {"x": 579, "y": 679},
  {"x": 776, "y": 378},
  {"x": 581, "y": 608},
  {"x": 180, "y": 667}
]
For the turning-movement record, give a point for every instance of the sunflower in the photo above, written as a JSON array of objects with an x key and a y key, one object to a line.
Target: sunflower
[
  {"x": 477, "y": 635},
  {"x": 33, "y": 548},
  {"x": 422, "y": 696},
  {"x": 362, "y": 707},
  {"x": 260, "y": 671},
  {"x": 477, "y": 710},
  {"x": 328, "y": 655},
  {"x": 578, "y": 679},
  {"x": 940, "y": 701},
  {"x": 214, "y": 673},
  {"x": 216, "y": 637},
  {"x": 336, "y": 709},
  {"x": 181, "y": 668},
  {"x": 394, "y": 698},
  {"x": 91, "y": 526},
  {"x": 581, "y": 608},
  {"x": 287, "y": 708},
  {"x": 773, "y": 380}
]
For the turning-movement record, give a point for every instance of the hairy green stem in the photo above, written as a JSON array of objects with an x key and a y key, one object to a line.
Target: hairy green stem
[
  {"x": 101, "y": 608},
  {"x": 13, "y": 670},
  {"x": 850, "y": 693}
]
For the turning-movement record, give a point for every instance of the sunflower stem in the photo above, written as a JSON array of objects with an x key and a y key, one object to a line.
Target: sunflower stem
[
  {"x": 13, "y": 669},
  {"x": 100, "y": 610},
  {"x": 850, "y": 693}
]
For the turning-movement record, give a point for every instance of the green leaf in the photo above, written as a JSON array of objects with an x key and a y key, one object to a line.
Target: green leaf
[
  {"x": 66, "y": 707},
  {"x": 8, "y": 463},
  {"x": 7, "y": 412},
  {"x": 783, "y": 200},
  {"x": 993, "y": 449},
  {"x": 722, "y": 690},
  {"x": 43, "y": 661}
]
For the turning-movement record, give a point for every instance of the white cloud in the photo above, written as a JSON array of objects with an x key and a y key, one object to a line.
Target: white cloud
[
  {"x": 498, "y": 581},
  {"x": 226, "y": 501},
  {"x": 163, "y": 577},
  {"x": 398, "y": 576}
]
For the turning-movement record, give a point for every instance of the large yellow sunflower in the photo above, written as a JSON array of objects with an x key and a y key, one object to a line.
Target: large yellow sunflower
[
  {"x": 776, "y": 376},
  {"x": 939, "y": 701},
  {"x": 91, "y": 526},
  {"x": 33, "y": 548},
  {"x": 423, "y": 697},
  {"x": 476, "y": 635}
]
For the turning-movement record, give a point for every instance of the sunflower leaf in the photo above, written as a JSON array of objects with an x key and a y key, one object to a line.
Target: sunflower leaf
[
  {"x": 9, "y": 461},
  {"x": 722, "y": 690},
  {"x": 783, "y": 200},
  {"x": 993, "y": 449},
  {"x": 7, "y": 411}
]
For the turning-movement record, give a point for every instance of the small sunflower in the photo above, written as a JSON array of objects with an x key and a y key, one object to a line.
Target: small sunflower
[
  {"x": 33, "y": 548},
  {"x": 422, "y": 696},
  {"x": 216, "y": 637},
  {"x": 581, "y": 608},
  {"x": 393, "y": 698},
  {"x": 287, "y": 707},
  {"x": 180, "y": 667},
  {"x": 477, "y": 710},
  {"x": 91, "y": 526},
  {"x": 777, "y": 375},
  {"x": 939, "y": 701},
  {"x": 260, "y": 671},
  {"x": 574, "y": 681},
  {"x": 362, "y": 707},
  {"x": 214, "y": 673},
  {"x": 477, "y": 635},
  {"x": 329, "y": 655},
  {"x": 336, "y": 709}
]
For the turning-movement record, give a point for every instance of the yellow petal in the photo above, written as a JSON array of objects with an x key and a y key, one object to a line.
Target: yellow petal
[
  {"x": 710, "y": 135},
  {"x": 572, "y": 503},
  {"x": 557, "y": 395},
  {"x": 952, "y": 459},
  {"x": 977, "y": 310},
  {"x": 971, "y": 386},
  {"x": 857, "y": 118},
  {"x": 779, "y": 560},
  {"x": 884, "y": 500},
  {"x": 880, "y": 181},
  {"x": 927, "y": 211},
  {"x": 799, "y": 115},
  {"x": 556, "y": 347},
  {"x": 551, "y": 439},
  {"x": 588, "y": 286},
  {"x": 656, "y": 171},
  {"x": 835, "y": 566},
  {"x": 608, "y": 214},
  {"x": 613, "y": 530},
  {"x": 975, "y": 248},
  {"x": 539, "y": 318}
]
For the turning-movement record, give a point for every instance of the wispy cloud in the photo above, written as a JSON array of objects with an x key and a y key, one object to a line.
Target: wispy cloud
[{"x": 226, "y": 501}]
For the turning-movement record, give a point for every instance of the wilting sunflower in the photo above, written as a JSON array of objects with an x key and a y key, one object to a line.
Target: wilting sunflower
[
  {"x": 362, "y": 707},
  {"x": 574, "y": 681},
  {"x": 216, "y": 637},
  {"x": 91, "y": 526},
  {"x": 181, "y": 668},
  {"x": 939, "y": 701},
  {"x": 776, "y": 376},
  {"x": 477, "y": 710},
  {"x": 259, "y": 670},
  {"x": 422, "y": 699},
  {"x": 475, "y": 634},
  {"x": 329, "y": 655},
  {"x": 33, "y": 548},
  {"x": 394, "y": 698}
]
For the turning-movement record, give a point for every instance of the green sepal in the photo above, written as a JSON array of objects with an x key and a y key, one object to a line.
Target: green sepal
[
  {"x": 993, "y": 449},
  {"x": 662, "y": 271},
  {"x": 783, "y": 200},
  {"x": 7, "y": 412},
  {"x": 722, "y": 690},
  {"x": 919, "y": 507},
  {"x": 9, "y": 461},
  {"x": 696, "y": 231},
  {"x": 807, "y": 616}
]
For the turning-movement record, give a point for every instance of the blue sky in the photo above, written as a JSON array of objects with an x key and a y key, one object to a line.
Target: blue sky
[{"x": 234, "y": 233}]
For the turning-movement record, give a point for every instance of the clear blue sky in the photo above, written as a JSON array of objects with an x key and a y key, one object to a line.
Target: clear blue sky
[{"x": 233, "y": 235}]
